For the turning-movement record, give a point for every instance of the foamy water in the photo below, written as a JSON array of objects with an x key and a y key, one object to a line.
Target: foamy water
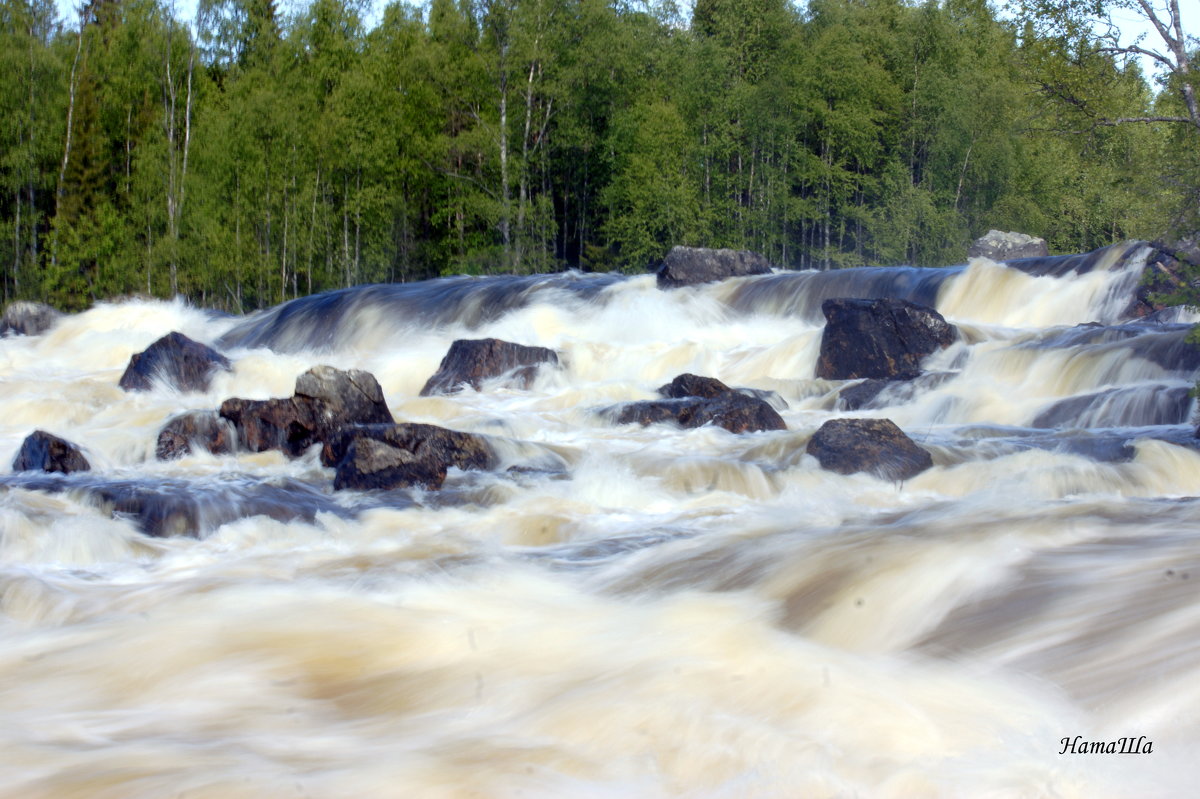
[{"x": 641, "y": 612}]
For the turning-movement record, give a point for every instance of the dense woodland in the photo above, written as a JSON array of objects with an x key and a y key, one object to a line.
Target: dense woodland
[{"x": 247, "y": 156}]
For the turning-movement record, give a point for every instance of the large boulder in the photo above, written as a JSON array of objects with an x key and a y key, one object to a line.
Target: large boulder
[
  {"x": 44, "y": 452},
  {"x": 469, "y": 362},
  {"x": 326, "y": 399},
  {"x": 205, "y": 430},
  {"x": 175, "y": 359},
  {"x": 689, "y": 266},
  {"x": 1001, "y": 246},
  {"x": 882, "y": 338},
  {"x": 690, "y": 385},
  {"x": 23, "y": 318},
  {"x": 877, "y": 446},
  {"x": 385, "y": 456}
]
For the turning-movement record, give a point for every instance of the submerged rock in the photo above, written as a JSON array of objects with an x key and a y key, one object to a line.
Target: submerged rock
[
  {"x": 23, "y": 318},
  {"x": 179, "y": 361},
  {"x": 471, "y": 361},
  {"x": 385, "y": 456},
  {"x": 879, "y": 338},
  {"x": 326, "y": 400},
  {"x": 205, "y": 430},
  {"x": 1001, "y": 246},
  {"x": 689, "y": 266},
  {"x": 44, "y": 452},
  {"x": 877, "y": 446}
]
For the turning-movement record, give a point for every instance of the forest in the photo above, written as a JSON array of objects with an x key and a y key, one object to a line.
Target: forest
[{"x": 249, "y": 155}]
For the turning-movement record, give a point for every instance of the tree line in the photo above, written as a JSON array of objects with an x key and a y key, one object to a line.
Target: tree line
[{"x": 245, "y": 157}]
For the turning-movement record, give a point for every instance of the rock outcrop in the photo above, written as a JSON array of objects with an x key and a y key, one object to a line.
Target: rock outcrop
[
  {"x": 469, "y": 362},
  {"x": 690, "y": 266},
  {"x": 1170, "y": 277},
  {"x": 44, "y": 452},
  {"x": 385, "y": 456},
  {"x": 876, "y": 446},
  {"x": 23, "y": 318},
  {"x": 883, "y": 338},
  {"x": 1001, "y": 246},
  {"x": 176, "y": 360},
  {"x": 205, "y": 430}
]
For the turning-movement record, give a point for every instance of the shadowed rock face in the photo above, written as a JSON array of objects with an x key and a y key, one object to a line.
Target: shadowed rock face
[
  {"x": 326, "y": 399},
  {"x": 182, "y": 363},
  {"x": 44, "y": 452},
  {"x": 1000, "y": 246},
  {"x": 384, "y": 456},
  {"x": 203, "y": 429},
  {"x": 877, "y": 446},
  {"x": 24, "y": 318},
  {"x": 689, "y": 266},
  {"x": 469, "y": 362},
  {"x": 879, "y": 338},
  {"x": 689, "y": 385}
]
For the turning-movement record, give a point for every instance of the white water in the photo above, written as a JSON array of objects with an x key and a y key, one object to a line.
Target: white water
[{"x": 663, "y": 612}]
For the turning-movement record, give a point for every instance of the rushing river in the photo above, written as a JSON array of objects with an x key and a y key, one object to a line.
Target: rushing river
[{"x": 639, "y": 612}]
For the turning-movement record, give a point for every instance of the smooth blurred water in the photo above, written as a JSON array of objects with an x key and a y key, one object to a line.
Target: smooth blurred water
[{"x": 638, "y": 611}]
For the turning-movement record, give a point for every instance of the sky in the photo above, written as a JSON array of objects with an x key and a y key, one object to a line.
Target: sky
[{"x": 1131, "y": 23}]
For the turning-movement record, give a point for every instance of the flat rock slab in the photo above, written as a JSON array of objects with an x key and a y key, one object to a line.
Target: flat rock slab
[
  {"x": 469, "y": 362},
  {"x": 882, "y": 338},
  {"x": 175, "y": 360},
  {"x": 876, "y": 446},
  {"x": 44, "y": 452},
  {"x": 690, "y": 266}
]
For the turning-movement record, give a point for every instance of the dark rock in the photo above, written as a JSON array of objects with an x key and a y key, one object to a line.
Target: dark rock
[
  {"x": 879, "y": 338},
  {"x": 326, "y": 400},
  {"x": 879, "y": 393},
  {"x": 177, "y": 360},
  {"x": 384, "y": 456},
  {"x": 471, "y": 361},
  {"x": 23, "y": 318},
  {"x": 689, "y": 385},
  {"x": 48, "y": 453},
  {"x": 205, "y": 430},
  {"x": 689, "y": 266},
  {"x": 734, "y": 411},
  {"x": 999, "y": 246},
  {"x": 847, "y": 446},
  {"x": 1168, "y": 279}
]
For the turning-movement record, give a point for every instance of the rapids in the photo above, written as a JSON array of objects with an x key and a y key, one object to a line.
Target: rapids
[{"x": 637, "y": 612}]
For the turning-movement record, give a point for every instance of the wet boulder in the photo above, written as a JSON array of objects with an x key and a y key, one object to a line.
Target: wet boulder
[
  {"x": 876, "y": 446},
  {"x": 195, "y": 430},
  {"x": 44, "y": 452},
  {"x": 326, "y": 399},
  {"x": 690, "y": 385},
  {"x": 385, "y": 456},
  {"x": 23, "y": 318},
  {"x": 732, "y": 410},
  {"x": 1167, "y": 279},
  {"x": 882, "y": 338},
  {"x": 469, "y": 362},
  {"x": 175, "y": 359},
  {"x": 690, "y": 266},
  {"x": 1001, "y": 246}
]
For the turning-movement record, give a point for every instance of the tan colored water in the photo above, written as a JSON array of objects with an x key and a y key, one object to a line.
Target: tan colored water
[{"x": 666, "y": 613}]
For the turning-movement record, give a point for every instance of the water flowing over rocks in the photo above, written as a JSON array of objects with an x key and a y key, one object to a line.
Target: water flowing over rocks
[
  {"x": 325, "y": 400},
  {"x": 694, "y": 401},
  {"x": 690, "y": 266},
  {"x": 204, "y": 430},
  {"x": 469, "y": 362},
  {"x": 877, "y": 446},
  {"x": 42, "y": 451},
  {"x": 24, "y": 318},
  {"x": 879, "y": 338},
  {"x": 385, "y": 456},
  {"x": 1000, "y": 246},
  {"x": 178, "y": 361}
]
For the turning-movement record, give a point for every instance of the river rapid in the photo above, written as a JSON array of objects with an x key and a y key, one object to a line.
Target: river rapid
[{"x": 636, "y": 612}]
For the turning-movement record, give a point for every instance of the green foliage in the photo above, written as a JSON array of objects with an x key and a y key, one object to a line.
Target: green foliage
[{"x": 265, "y": 157}]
